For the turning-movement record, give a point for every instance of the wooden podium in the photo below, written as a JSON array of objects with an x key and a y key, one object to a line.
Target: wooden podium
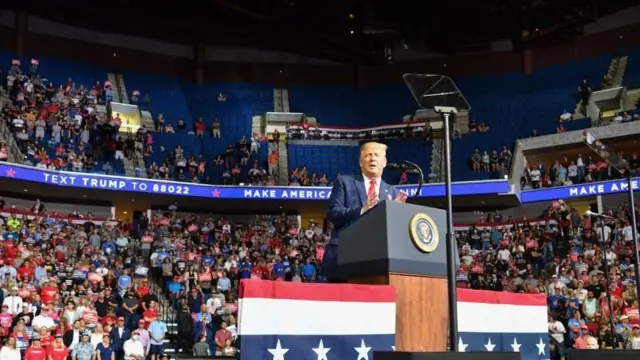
[{"x": 379, "y": 249}]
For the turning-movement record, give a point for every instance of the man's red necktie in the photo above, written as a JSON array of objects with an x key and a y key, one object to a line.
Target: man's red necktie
[{"x": 372, "y": 188}]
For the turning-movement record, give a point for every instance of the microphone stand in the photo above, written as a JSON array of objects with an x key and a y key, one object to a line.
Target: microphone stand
[
  {"x": 607, "y": 277},
  {"x": 420, "y": 173}
]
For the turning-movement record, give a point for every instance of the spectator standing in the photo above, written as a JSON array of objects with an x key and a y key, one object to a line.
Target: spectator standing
[
  {"x": 57, "y": 350},
  {"x": 130, "y": 304},
  {"x": 104, "y": 350},
  {"x": 201, "y": 348},
  {"x": 204, "y": 326},
  {"x": 185, "y": 329},
  {"x": 35, "y": 351},
  {"x": 157, "y": 333},
  {"x": 10, "y": 351},
  {"x": 133, "y": 348},
  {"x": 84, "y": 350},
  {"x": 119, "y": 335},
  {"x": 14, "y": 302},
  {"x": 143, "y": 336},
  {"x": 221, "y": 337}
]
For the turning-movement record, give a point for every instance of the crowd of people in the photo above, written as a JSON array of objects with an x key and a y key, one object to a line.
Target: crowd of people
[
  {"x": 239, "y": 163},
  {"x": 590, "y": 284},
  {"x": 61, "y": 128},
  {"x": 80, "y": 285},
  {"x": 579, "y": 170}
]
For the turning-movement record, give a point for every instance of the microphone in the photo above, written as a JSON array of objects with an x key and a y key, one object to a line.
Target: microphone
[
  {"x": 595, "y": 214},
  {"x": 395, "y": 166}
]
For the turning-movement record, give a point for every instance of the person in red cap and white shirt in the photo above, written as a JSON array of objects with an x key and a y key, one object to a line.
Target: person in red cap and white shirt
[{"x": 43, "y": 321}]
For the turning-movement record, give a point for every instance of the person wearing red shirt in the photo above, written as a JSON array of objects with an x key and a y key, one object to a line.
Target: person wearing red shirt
[
  {"x": 26, "y": 269},
  {"x": 257, "y": 272},
  {"x": 151, "y": 314},
  {"x": 35, "y": 351},
  {"x": 49, "y": 291},
  {"x": 10, "y": 252},
  {"x": 57, "y": 351},
  {"x": 46, "y": 339},
  {"x": 144, "y": 288}
]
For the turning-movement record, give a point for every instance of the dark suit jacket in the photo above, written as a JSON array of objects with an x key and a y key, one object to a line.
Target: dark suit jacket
[
  {"x": 116, "y": 340},
  {"x": 67, "y": 337},
  {"x": 347, "y": 199}
]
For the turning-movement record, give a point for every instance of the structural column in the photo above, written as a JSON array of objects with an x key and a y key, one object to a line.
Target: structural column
[
  {"x": 20, "y": 32},
  {"x": 527, "y": 61},
  {"x": 200, "y": 50}
]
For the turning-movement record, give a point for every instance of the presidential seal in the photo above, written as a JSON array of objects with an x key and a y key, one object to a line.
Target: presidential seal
[{"x": 424, "y": 233}]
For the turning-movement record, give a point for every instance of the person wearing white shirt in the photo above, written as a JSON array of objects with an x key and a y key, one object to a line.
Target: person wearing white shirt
[
  {"x": 8, "y": 269},
  {"x": 133, "y": 349},
  {"x": 213, "y": 303},
  {"x": 627, "y": 233},
  {"x": 10, "y": 351},
  {"x": 14, "y": 302},
  {"x": 43, "y": 321},
  {"x": 557, "y": 330},
  {"x": 607, "y": 232}
]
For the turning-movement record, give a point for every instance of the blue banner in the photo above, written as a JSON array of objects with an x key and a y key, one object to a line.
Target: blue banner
[
  {"x": 121, "y": 183},
  {"x": 576, "y": 191}
]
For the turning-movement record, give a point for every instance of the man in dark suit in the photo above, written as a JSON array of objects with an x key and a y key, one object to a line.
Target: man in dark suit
[
  {"x": 72, "y": 337},
  {"x": 352, "y": 196},
  {"x": 119, "y": 334}
]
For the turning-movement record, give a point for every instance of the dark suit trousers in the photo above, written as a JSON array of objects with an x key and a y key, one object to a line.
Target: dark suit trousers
[{"x": 329, "y": 267}]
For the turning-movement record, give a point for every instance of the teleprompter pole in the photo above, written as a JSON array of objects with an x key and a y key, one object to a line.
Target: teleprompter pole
[
  {"x": 634, "y": 231},
  {"x": 451, "y": 244}
]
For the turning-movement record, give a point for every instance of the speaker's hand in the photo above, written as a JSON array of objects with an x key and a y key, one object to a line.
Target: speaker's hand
[
  {"x": 401, "y": 198},
  {"x": 371, "y": 202}
]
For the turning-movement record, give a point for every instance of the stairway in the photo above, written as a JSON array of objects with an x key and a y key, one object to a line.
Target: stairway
[
  {"x": 277, "y": 100},
  {"x": 115, "y": 94},
  {"x": 632, "y": 99},
  {"x": 283, "y": 164},
  {"x": 285, "y": 101},
  {"x": 257, "y": 124},
  {"x": 617, "y": 76},
  {"x": 281, "y": 100},
  {"x": 138, "y": 163},
  {"x": 436, "y": 173},
  {"x": 129, "y": 167},
  {"x": 147, "y": 119},
  {"x": 122, "y": 88}
]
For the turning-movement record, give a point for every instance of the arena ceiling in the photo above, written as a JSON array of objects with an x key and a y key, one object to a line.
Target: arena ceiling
[{"x": 344, "y": 31}]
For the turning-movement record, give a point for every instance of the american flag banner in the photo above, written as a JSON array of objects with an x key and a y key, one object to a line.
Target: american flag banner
[
  {"x": 298, "y": 321},
  {"x": 500, "y": 321}
]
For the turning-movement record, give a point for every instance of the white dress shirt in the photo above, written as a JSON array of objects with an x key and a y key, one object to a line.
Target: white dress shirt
[
  {"x": 132, "y": 347},
  {"x": 14, "y": 303}
]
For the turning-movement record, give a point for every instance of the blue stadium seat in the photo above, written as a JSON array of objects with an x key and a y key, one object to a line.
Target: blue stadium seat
[{"x": 512, "y": 105}]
